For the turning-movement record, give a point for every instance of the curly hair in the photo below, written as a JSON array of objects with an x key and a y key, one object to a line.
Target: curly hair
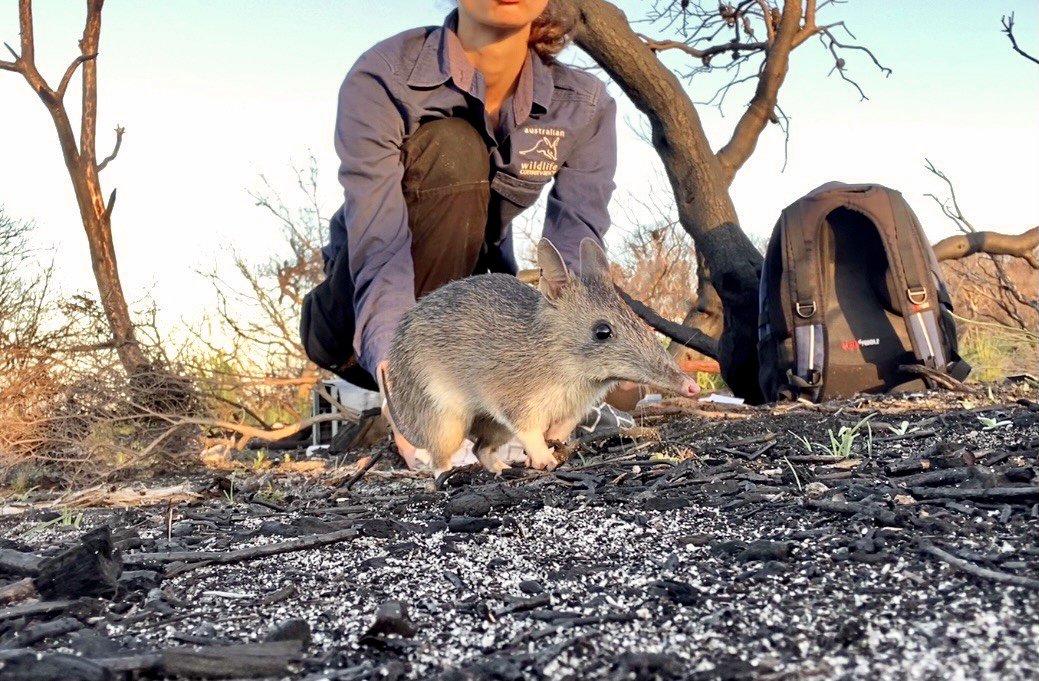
[{"x": 552, "y": 30}]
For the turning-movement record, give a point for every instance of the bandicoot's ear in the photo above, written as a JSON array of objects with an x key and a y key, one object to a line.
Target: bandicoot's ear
[
  {"x": 554, "y": 275},
  {"x": 594, "y": 263}
]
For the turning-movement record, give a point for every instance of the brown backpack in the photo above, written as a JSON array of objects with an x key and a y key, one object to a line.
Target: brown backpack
[{"x": 851, "y": 299}]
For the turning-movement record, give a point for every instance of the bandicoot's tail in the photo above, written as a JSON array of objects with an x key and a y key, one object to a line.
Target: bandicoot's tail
[{"x": 389, "y": 412}]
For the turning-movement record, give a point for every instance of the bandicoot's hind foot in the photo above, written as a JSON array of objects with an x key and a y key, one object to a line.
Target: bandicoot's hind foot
[
  {"x": 539, "y": 455},
  {"x": 436, "y": 483},
  {"x": 488, "y": 458},
  {"x": 498, "y": 467},
  {"x": 562, "y": 451}
]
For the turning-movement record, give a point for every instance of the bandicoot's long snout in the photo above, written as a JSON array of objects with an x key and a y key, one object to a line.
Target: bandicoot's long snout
[
  {"x": 682, "y": 383},
  {"x": 671, "y": 379},
  {"x": 688, "y": 387}
]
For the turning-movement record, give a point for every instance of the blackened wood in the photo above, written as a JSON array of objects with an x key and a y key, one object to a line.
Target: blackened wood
[
  {"x": 42, "y": 631},
  {"x": 31, "y": 665},
  {"x": 1023, "y": 494},
  {"x": 198, "y": 558},
  {"x": 940, "y": 477},
  {"x": 17, "y": 591},
  {"x": 245, "y": 660},
  {"x": 34, "y": 609},
  {"x": 684, "y": 335},
  {"x": 131, "y": 663},
  {"x": 877, "y": 513},
  {"x": 907, "y": 466},
  {"x": 914, "y": 435},
  {"x": 19, "y": 564},
  {"x": 976, "y": 570},
  {"x": 91, "y": 568},
  {"x": 814, "y": 458}
]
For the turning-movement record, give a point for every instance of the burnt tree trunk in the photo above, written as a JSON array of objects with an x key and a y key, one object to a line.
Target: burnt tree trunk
[
  {"x": 97, "y": 217},
  {"x": 698, "y": 178},
  {"x": 84, "y": 170}
]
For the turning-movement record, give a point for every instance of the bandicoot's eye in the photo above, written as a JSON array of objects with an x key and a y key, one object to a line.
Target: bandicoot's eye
[{"x": 603, "y": 331}]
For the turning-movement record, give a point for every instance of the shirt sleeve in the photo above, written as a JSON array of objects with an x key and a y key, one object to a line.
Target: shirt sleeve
[
  {"x": 578, "y": 204},
  {"x": 368, "y": 136}
]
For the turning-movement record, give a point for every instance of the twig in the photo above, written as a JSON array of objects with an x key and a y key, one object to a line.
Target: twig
[
  {"x": 706, "y": 53},
  {"x": 975, "y": 570},
  {"x": 940, "y": 379},
  {"x": 1023, "y": 494},
  {"x": 1031, "y": 335},
  {"x": 1008, "y": 28},
  {"x": 250, "y": 431},
  {"x": 372, "y": 460},
  {"x": 18, "y": 591},
  {"x": 115, "y": 151},
  {"x": 64, "y": 84},
  {"x": 852, "y": 508},
  {"x": 195, "y": 559}
]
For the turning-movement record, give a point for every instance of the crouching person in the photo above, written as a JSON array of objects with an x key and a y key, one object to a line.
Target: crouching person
[{"x": 445, "y": 134}]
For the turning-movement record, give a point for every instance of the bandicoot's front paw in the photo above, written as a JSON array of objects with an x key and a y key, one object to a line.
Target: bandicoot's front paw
[
  {"x": 542, "y": 462},
  {"x": 499, "y": 467}
]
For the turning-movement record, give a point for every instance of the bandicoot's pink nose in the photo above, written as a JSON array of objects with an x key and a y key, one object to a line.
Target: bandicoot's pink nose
[{"x": 689, "y": 387}]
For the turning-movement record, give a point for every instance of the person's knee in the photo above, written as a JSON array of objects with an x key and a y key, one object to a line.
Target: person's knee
[{"x": 445, "y": 153}]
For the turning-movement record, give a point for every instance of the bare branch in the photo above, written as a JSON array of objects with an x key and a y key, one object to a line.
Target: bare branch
[
  {"x": 70, "y": 71},
  {"x": 89, "y": 45},
  {"x": 992, "y": 243},
  {"x": 177, "y": 421},
  {"x": 118, "y": 142},
  {"x": 954, "y": 213},
  {"x": 809, "y": 15},
  {"x": 839, "y": 63},
  {"x": 706, "y": 53},
  {"x": 762, "y": 105},
  {"x": 996, "y": 285},
  {"x": 15, "y": 65},
  {"x": 770, "y": 28},
  {"x": 110, "y": 206},
  {"x": 25, "y": 29},
  {"x": 1008, "y": 28}
]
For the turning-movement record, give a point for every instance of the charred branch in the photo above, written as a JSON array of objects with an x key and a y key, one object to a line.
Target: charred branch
[
  {"x": 115, "y": 151},
  {"x": 700, "y": 185},
  {"x": 705, "y": 54},
  {"x": 80, "y": 162},
  {"x": 1008, "y": 28},
  {"x": 64, "y": 84},
  {"x": 785, "y": 28},
  {"x": 1004, "y": 291},
  {"x": 991, "y": 243}
]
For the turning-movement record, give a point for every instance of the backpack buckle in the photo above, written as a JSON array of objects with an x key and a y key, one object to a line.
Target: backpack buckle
[
  {"x": 917, "y": 295},
  {"x": 805, "y": 310}
]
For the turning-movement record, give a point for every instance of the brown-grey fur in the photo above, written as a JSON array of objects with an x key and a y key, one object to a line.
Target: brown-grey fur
[{"x": 488, "y": 357}]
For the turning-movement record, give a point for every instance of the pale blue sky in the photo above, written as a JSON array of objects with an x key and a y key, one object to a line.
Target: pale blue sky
[{"x": 214, "y": 93}]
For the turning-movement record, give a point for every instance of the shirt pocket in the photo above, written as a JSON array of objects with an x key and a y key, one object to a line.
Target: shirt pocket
[{"x": 516, "y": 195}]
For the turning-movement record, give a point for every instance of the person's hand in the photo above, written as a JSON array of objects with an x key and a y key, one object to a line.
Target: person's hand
[
  {"x": 404, "y": 448},
  {"x": 625, "y": 395}
]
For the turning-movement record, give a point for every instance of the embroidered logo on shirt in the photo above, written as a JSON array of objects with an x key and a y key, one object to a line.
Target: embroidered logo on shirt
[{"x": 545, "y": 145}]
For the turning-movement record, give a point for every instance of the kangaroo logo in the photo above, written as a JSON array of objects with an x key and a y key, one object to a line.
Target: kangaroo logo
[{"x": 546, "y": 146}]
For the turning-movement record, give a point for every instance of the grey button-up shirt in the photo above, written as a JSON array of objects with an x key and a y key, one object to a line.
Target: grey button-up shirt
[{"x": 559, "y": 125}]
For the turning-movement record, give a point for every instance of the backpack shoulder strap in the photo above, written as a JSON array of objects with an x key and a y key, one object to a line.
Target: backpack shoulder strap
[
  {"x": 920, "y": 299},
  {"x": 801, "y": 259}
]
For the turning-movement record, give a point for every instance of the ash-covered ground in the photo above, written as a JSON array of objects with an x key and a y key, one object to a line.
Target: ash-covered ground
[{"x": 708, "y": 544}]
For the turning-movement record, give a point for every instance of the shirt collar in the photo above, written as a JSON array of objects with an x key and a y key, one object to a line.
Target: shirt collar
[
  {"x": 534, "y": 90},
  {"x": 442, "y": 58}
]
